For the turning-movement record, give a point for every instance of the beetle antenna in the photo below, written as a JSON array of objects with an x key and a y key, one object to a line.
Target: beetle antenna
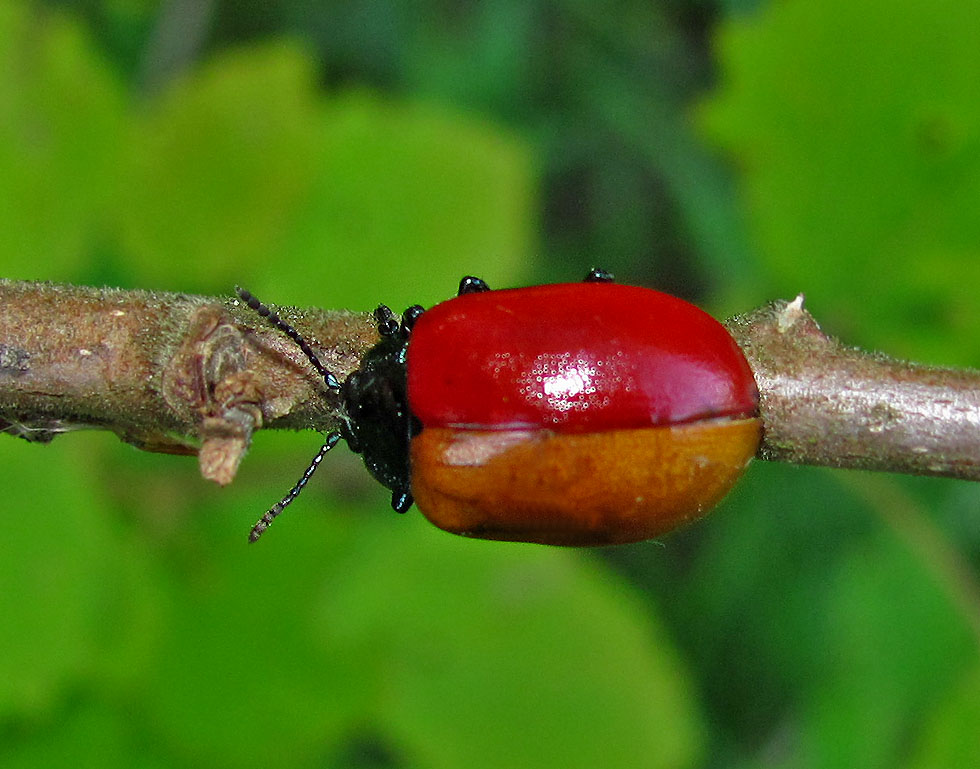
[
  {"x": 266, "y": 312},
  {"x": 266, "y": 520},
  {"x": 328, "y": 379}
]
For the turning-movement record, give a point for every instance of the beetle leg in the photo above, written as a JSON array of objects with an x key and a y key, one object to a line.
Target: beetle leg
[
  {"x": 598, "y": 275},
  {"x": 471, "y": 285},
  {"x": 409, "y": 317},
  {"x": 401, "y": 501}
]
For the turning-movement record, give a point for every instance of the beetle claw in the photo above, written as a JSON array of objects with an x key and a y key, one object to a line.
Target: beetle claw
[
  {"x": 598, "y": 275},
  {"x": 401, "y": 501}
]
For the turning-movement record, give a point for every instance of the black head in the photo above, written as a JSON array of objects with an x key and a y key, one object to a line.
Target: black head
[{"x": 379, "y": 423}]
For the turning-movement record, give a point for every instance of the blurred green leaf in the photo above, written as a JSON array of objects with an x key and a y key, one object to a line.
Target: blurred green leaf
[
  {"x": 510, "y": 656},
  {"x": 61, "y": 122},
  {"x": 90, "y": 736},
  {"x": 241, "y": 679},
  {"x": 884, "y": 659},
  {"x": 409, "y": 198},
  {"x": 951, "y": 736},
  {"x": 857, "y": 129},
  {"x": 237, "y": 174},
  {"x": 821, "y": 627},
  {"x": 216, "y": 167},
  {"x": 750, "y": 595},
  {"x": 63, "y": 604},
  {"x": 343, "y": 626}
]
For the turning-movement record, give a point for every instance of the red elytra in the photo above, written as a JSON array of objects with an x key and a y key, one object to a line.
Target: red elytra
[{"x": 573, "y": 357}]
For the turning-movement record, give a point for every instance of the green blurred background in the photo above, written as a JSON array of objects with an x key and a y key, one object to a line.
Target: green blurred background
[{"x": 342, "y": 154}]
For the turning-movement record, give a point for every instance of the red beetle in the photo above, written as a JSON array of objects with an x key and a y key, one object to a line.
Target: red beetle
[{"x": 572, "y": 414}]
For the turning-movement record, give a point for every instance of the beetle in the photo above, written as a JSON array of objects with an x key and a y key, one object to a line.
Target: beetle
[{"x": 578, "y": 414}]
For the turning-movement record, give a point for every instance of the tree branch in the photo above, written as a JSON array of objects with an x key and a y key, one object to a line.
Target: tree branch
[
  {"x": 166, "y": 372},
  {"x": 827, "y": 404},
  {"x": 190, "y": 374}
]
